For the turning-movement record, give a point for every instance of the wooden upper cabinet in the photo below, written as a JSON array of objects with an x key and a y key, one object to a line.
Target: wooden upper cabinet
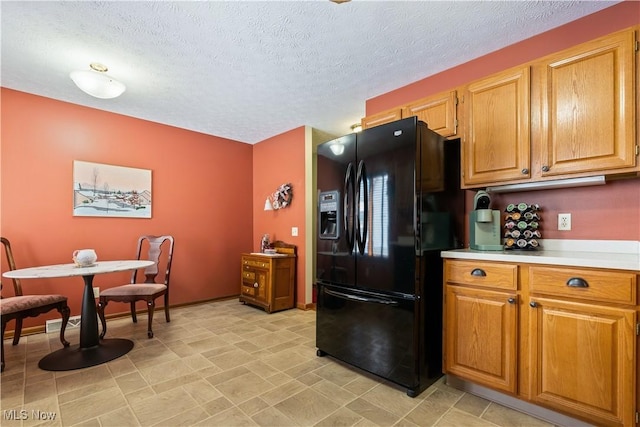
[
  {"x": 381, "y": 118},
  {"x": 496, "y": 145},
  {"x": 437, "y": 111},
  {"x": 588, "y": 108}
]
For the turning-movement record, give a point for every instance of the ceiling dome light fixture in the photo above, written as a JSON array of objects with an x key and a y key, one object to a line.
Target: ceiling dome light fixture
[
  {"x": 356, "y": 127},
  {"x": 97, "y": 83}
]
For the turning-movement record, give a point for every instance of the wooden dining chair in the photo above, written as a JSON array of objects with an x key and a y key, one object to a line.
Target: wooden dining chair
[
  {"x": 20, "y": 306},
  {"x": 147, "y": 291}
]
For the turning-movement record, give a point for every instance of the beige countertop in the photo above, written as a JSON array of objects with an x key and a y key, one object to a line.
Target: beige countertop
[{"x": 614, "y": 254}]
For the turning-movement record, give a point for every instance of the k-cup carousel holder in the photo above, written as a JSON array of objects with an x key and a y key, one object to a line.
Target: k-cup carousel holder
[{"x": 522, "y": 226}]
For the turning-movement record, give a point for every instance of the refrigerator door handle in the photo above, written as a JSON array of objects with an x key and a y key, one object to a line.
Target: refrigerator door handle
[
  {"x": 361, "y": 299},
  {"x": 348, "y": 206},
  {"x": 361, "y": 229},
  {"x": 417, "y": 224}
]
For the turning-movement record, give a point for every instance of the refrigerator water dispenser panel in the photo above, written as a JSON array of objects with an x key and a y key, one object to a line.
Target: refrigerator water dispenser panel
[{"x": 329, "y": 215}]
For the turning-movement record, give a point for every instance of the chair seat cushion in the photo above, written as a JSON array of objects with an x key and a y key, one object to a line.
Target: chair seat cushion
[
  {"x": 26, "y": 302},
  {"x": 137, "y": 289}
]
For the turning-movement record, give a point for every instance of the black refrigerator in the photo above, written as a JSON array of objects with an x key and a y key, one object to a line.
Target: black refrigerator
[{"x": 389, "y": 201}]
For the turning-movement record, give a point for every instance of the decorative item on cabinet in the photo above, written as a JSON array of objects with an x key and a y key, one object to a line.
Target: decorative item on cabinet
[
  {"x": 264, "y": 243},
  {"x": 522, "y": 226}
]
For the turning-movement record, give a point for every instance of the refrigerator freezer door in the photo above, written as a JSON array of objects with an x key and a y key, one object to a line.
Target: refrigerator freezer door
[{"x": 371, "y": 331}]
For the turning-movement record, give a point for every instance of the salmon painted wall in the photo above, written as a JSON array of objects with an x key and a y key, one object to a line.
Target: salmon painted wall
[
  {"x": 276, "y": 161},
  {"x": 609, "y": 212},
  {"x": 201, "y": 187}
]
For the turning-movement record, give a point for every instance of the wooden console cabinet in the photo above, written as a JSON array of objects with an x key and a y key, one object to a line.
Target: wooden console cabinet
[{"x": 267, "y": 281}]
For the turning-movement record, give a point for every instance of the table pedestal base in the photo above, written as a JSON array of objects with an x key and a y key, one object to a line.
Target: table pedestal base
[{"x": 69, "y": 358}]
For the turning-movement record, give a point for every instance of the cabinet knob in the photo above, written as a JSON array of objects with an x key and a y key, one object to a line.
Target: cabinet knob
[
  {"x": 545, "y": 168},
  {"x": 478, "y": 272},
  {"x": 525, "y": 171},
  {"x": 533, "y": 304},
  {"x": 511, "y": 300},
  {"x": 255, "y": 285}
]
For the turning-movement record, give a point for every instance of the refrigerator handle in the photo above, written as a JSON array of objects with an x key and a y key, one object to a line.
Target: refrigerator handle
[
  {"x": 352, "y": 297},
  {"x": 347, "y": 206},
  {"x": 417, "y": 223},
  {"x": 362, "y": 229}
]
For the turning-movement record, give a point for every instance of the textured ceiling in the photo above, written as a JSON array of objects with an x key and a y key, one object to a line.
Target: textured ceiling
[{"x": 249, "y": 70}]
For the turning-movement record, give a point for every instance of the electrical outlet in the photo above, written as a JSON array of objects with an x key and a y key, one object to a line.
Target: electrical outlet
[
  {"x": 96, "y": 292},
  {"x": 564, "y": 221},
  {"x": 294, "y": 231}
]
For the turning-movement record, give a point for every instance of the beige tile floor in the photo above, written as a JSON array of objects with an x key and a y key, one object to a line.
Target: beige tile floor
[{"x": 224, "y": 364}]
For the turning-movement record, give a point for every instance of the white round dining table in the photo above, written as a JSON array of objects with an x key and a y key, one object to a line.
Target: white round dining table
[{"x": 91, "y": 351}]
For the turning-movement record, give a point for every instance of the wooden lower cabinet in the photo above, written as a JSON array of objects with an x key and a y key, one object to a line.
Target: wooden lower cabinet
[
  {"x": 268, "y": 281},
  {"x": 569, "y": 342},
  {"x": 481, "y": 327},
  {"x": 582, "y": 359}
]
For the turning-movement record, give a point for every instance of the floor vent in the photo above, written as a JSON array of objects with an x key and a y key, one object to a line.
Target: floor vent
[{"x": 56, "y": 324}]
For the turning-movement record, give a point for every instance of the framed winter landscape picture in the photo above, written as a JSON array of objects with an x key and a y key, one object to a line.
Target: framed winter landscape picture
[{"x": 111, "y": 191}]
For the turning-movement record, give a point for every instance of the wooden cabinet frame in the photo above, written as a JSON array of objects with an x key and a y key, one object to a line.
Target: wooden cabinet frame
[
  {"x": 588, "y": 108},
  {"x": 571, "y": 344},
  {"x": 438, "y": 111},
  {"x": 497, "y": 140},
  {"x": 268, "y": 281}
]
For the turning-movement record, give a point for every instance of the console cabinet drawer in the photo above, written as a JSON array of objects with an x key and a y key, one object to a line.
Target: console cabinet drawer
[
  {"x": 478, "y": 273},
  {"x": 249, "y": 290},
  {"x": 595, "y": 285},
  {"x": 248, "y": 277},
  {"x": 252, "y": 262}
]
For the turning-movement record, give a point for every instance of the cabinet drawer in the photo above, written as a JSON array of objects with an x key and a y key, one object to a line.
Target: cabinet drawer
[
  {"x": 607, "y": 286},
  {"x": 249, "y": 290},
  {"x": 248, "y": 277},
  {"x": 252, "y": 262},
  {"x": 478, "y": 273}
]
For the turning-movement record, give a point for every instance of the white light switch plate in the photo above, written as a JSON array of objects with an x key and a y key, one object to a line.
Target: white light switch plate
[{"x": 294, "y": 231}]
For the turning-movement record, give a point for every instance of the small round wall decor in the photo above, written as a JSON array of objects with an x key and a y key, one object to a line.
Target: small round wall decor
[{"x": 282, "y": 196}]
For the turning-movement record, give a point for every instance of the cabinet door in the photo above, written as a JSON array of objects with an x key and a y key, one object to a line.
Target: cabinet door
[
  {"x": 481, "y": 336},
  {"x": 381, "y": 118},
  {"x": 582, "y": 359},
  {"x": 437, "y": 111},
  {"x": 496, "y": 147},
  {"x": 262, "y": 290},
  {"x": 588, "y": 107},
  {"x": 282, "y": 284}
]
